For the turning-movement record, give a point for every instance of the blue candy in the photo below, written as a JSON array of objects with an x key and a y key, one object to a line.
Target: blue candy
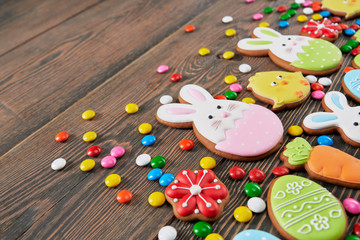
[
  {"x": 254, "y": 235},
  {"x": 148, "y": 140},
  {"x": 349, "y": 32},
  {"x": 325, "y": 13},
  {"x": 166, "y": 179},
  {"x": 154, "y": 174},
  {"x": 357, "y": 21},
  {"x": 284, "y": 24},
  {"x": 325, "y": 140}
]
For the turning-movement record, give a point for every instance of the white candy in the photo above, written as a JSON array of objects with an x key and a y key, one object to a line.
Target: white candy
[
  {"x": 311, "y": 78},
  {"x": 167, "y": 233},
  {"x": 300, "y": 1},
  {"x": 256, "y": 204},
  {"x": 244, "y": 68},
  {"x": 166, "y": 99},
  {"x": 143, "y": 160},
  {"x": 58, "y": 164},
  {"x": 227, "y": 19},
  {"x": 325, "y": 81},
  {"x": 308, "y": 11}
]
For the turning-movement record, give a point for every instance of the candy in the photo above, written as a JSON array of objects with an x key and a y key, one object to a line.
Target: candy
[
  {"x": 61, "y": 137},
  {"x": 162, "y": 68},
  {"x": 291, "y": 12},
  {"x": 166, "y": 99},
  {"x": 264, "y": 24},
  {"x": 207, "y": 163},
  {"x": 112, "y": 180},
  {"x": 237, "y": 172},
  {"x": 143, "y": 160},
  {"x": 257, "y": 175},
  {"x": 352, "y": 43},
  {"x": 325, "y": 14},
  {"x": 117, "y": 151},
  {"x": 302, "y": 18},
  {"x": 308, "y": 11},
  {"x": 352, "y": 237},
  {"x": 228, "y": 55},
  {"x": 295, "y": 5},
  {"x": 58, "y": 164},
  {"x": 214, "y": 236},
  {"x": 284, "y": 24},
  {"x": 256, "y": 204},
  {"x": 348, "y": 69},
  {"x": 357, "y": 21},
  {"x": 148, "y": 140},
  {"x": 325, "y": 140},
  {"x": 352, "y": 206},
  {"x": 230, "y": 95},
  {"x": 355, "y": 51},
  {"x": 154, "y": 174},
  {"x": 87, "y": 165},
  {"x": 280, "y": 171},
  {"x": 202, "y": 229},
  {"x": 189, "y": 28},
  {"x": 257, "y": 16},
  {"x": 242, "y": 214},
  {"x": 230, "y": 32},
  {"x": 317, "y": 86},
  {"x": 311, "y": 78},
  {"x": 145, "y": 128},
  {"x": 343, "y": 26},
  {"x": 252, "y": 189},
  {"x": 268, "y": 10},
  {"x": 89, "y": 136},
  {"x": 131, "y": 108},
  {"x": 356, "y": 229},
  {"x": 300, "y": 1},
  {"x": 248, "y": 100},
  {"x": 281, "y": 8},
  {"x": 176, "y": 77},
  {"x": 236, "y": 87},
  {"x": 156, "y": 199},
  {"x": 316, "y": 8},
  {"x": 167, "y": 233},
  {"x": 186, "y": 144},
  {"x": 158, "y": 162},
  {"x": 335, "y": 19},
  {"x": 166, "y": 179},
  {"x": 307, "y": 3},
  {"x": 317, "y": 95},
  {"x": 229, "y": 79},
  {"x": 317, "y": 17},
  {"x": 124, "y": 196},
  {"x": 325, "y": 81},
  {"x": 221, "y": 97},
  {"x": 227, "y": 19},
  {"x": 354, "y": 26},
  {"x": 285, "y": 16},
  {"x": 204, "y": 51},
  {"x": 93, "y": 151},
  {"x": 244, "y": 68},
  {"x": 349, "y": 32},
  {"x": 295, "y": 130},
  {"x": 88, "y": 115},
  {"x": 108, "y": 162}
]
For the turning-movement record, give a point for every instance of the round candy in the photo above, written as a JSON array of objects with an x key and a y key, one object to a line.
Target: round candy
[
  {"x": 236, "y": 87},
  {"x": 285, "y": 16},
  {"x": 257, "y": 175},
  {"x": 325, "y": 81},
  {"x": 176, "y": 77},
  {"x": 356, "y": 229},
  {"x": 295, "y": 5},
  {"x": 87, "y": 165},
  {"x": 156, "y": 199},
  {"x": 143, "y": 160},
  {"x": 311, "y": 78},
  {"x": 252, "y": 189},
  {"x": 343, "y": 26},
  {"x": 295, "y": 131},
  {"x": 228, "y": 55},
  {"x": 108, "y": 162},
  {"x": 162, "y": 68},
  {"x": 154, "y": 174},
  {"x": 352, "y": 206},
  {"x": 230, "y": 95},
  {"x": 357, "y": 21},
  {"x": 317, "y": 95},
  {"x": 166, "y": 179},
  {"x": 325, "y": 140},
  {"x": 307, "y": 3},
  {"x": 202, "y": 229},
  {"x": 58, "y": 164},
  {"x": 148, "y": 140},
  {"x": 166, "y": 99},
  {"x": 124, "y": 196},
  {"x": 325, "y": 14},
  {"x": 189, "y": 28},
  {"x": 355, "y": 51},
  {"x": 131, "y": 108},
  {"x": 280, "y": 171},
  {"x": 352, "y": 43},
  {"x": 61, "y": 137},
  {"x": 242, "y": 214},
  {"x": 157, "y": 162},
  {"x": 117, "y": 151},
  {"x": 167, "y": 233},
  {"x": 227, "y": 19},
  {"x": 145, "y": 128},
  {"x": 248, "y": 100},
  {"x": 207, "y": 163},
  {"x": 281, "y": 8},
  {"x": 244, "y": 68},
  {"x": 204, "y": 51},
  {"x": 284, "y": 24},
  {"x": 237, "y": 172},
  {"x": 264, "y": 24},
  {"x": 93, "y": 151},
  {"x": 349, "y": 32},
  {"x": 112, "y": 180},
  {"x": 348, "y": 69},
  {"x": 230, "y": 32},
  {"x": 316, "y": 8},
  {"x": 256, "y": 204},
  {"x": 354, "y": 26},
  {"x": 89, "y": 136},
  {"x": 268, "y": 10},
  {"x": 186, "y": 144},
  {"x": 317, "y": 17},
  {"x": 302, "y": 18},
  {"x": 291, "y": 12},
  {"x": 221, "y": 97},
  {"x": 214, "y": 236},
  {"x": 257, "y": 16},
  {"x": 352, "y": 237},
  {"x": 317, "y": 86},
  {"x": 229, "y": 79},
  {"x": 335, "y": 19},
  {"x": 300, "y": 1},
  {"x": 88, "y": 114}
]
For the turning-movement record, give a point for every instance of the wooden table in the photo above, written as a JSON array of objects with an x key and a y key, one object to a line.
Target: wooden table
[{"x": 60, "y": 58}]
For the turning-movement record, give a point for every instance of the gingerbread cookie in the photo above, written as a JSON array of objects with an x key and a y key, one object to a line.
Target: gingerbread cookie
[
  {"x": 356, "y": 61},
  {"x": 280, "y": 89},
  {"x": 339, "y": 116},
  {"x": 324, "y": 29},
  {"x": 351, "y": 84},
  {"x": 197, "y": 195},
  {"x": 231, "y": 129},
  {"x": 293, "y": 52},
  {"x": 322, "y": 162},
  {"x": 302, "y": 209},
  {"x": 345, "y": 8}
]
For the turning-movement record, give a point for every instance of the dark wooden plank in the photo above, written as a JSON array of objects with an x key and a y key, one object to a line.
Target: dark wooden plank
[
  {"x": 24, "y": 20},
  {"x": 61, "y": 66}
]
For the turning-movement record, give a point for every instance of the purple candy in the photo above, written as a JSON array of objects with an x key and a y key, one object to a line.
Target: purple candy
[
  {"x": 108, "y": 162},
  {"x": 317, "y": 94},
  {"x": 117, "y": 151}
]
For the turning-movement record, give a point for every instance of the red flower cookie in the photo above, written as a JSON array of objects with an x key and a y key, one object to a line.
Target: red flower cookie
[{"x": 324, "y": 29}]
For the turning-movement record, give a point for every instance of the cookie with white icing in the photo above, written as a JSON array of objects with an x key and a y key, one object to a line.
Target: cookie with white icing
[
  {"x": 253, "y": 234},
  {"x": 324, "y": 29}
]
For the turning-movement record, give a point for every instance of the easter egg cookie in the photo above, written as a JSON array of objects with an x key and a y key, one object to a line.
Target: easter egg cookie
[
  {"x": 253, "y": 234},
  {"x": 339, "y": 117},
  {"x": 197, "y": 195},
  {"x": 345, "y": 8},
  {"x": 324, "y": 29},
  {"x": 302, "y": 209},
  {"x": 231, "y": 129},
  {"x": 280, "y": 89},
  {"x": 351, "y": 84},
  {"x": 293, "y": 52}
]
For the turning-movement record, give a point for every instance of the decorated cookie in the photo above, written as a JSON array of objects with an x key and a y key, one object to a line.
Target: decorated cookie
[
  {"x": 280, "y": 89},
  {"x": 351, "y": 84},
  {"x": 345, "y": 8},
  {"x": 322, "y": 162},
  {"x": 302, "y": 209},
  {"x": 197, "y": 195},
  {"x": 356, "y": 61},
  {"x": 231, "y": 129},
  {"x": 339, "y": 116},
  {"x": 293, "y": 52},
  {"x": 324, "y": 29},
  {"x": 252, "y": 234}
]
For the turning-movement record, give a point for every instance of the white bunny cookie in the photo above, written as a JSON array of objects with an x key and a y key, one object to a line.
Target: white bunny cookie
[
  {"x": 232, "y": 129},
  {"x": 339, "y": 116},
  {"x": 293, "y": 52}
]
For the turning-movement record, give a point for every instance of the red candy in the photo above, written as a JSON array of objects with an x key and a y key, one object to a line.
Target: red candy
[
  {"x": 189, "y": 28},
  {"x": 93, "y": 151},
  {"x": 221, "y": 97},
  {"x": 355, "y": 27},
  {"x": 336, "y": 19},
  {"x": 237, "y": 172},
  {"x": 316, "y": 6},
  {"x": 348, "y": 69},
  {"x": 280, "y": 171},
  {"x": 124, "y": 196},
  {"x": 356, "y": 229},
  {"x": 281, "y": 8},
  {"x": 186, "y": 144},
  {"x": 61, "y": 137},
  {"x": 257, "y": 175},
  {"x": 176, "y": 77},
  {"x": 343, "y": 26},
  {"x": 355, "y": 51},
  {"x": 317, "y": 87}
]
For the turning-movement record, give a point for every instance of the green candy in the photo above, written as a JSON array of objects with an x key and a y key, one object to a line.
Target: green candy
[
  {"x": 352, "y": 43},
  {"x": 252, "y": 189},
  {"x": 345, "y": 48},
  {"x": 352, "y": 237},
  {"x": 291, "y": 12},
  {"x": 230, "y": 95},
  {"x": 202, "y": 229},
  {"x": 295, "y": 5},
  {"x": 158, "y": 162},
  {"x": 268, "y": 10},
  {"x": 285, "y": 16}
]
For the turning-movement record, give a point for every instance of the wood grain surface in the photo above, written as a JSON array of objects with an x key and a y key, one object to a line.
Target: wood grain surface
[{"x": 102, "y": 59}]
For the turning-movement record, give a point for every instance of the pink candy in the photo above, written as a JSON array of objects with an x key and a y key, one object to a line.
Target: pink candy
[
  {"x": 117, "y": 152},
  {"x": 249, "y": 1},
  {"x": 352, "y": 205},
  {"x": 236, "y": 87},
  {"x": 307, "y": 3},
  {"x": 317, "y": 94},
  {"x": 162, "y": 68},
  {"x": 257, "y": 16},
  {"x": 108, "y": 162}
]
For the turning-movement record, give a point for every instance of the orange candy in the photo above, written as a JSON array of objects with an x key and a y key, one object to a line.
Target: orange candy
[
  {"x": 61, "y": 137},
  {"x": 124, "y": 196},
  {"x": 348, "y": 69},
  {"x": 221, "y": 97},
  {"x": 189, "y": 28},
  {"x": 316, "y": 6}
]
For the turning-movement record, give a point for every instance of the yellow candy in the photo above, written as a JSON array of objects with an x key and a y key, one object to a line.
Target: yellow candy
[
  {"x": 230, "y": 79},
  {"x": 89, "y": 136},
  {"x": 242, "y": 214},
  {"x": 264, "y": 24},
  {"x": 145, "y": 128},
  {"x": 228, "y": 55},
  {"x": 317, "y": 16},
  {"x": 302, "y": 18},
  {"x": 156, "y": 199},
  {"x": 131, "y": 108},
  {"x": 204, "y": 51},
  {"x": 87, "y": 165},
  {"x": 230, "y": 32},
  {"x": 248, "y": 100},
  {"x": 295, "y": 131},
  {"x": 207, "y": 163},
  {"x": 112, "y": 180},
  {"x": 214, "y": 236},
  {"x": 88, "y": 114}
]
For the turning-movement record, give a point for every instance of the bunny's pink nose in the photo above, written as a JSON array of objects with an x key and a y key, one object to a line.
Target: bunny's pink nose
[
  {"x": 224, "y": 114},
  {"x": 293, "y": 43}
]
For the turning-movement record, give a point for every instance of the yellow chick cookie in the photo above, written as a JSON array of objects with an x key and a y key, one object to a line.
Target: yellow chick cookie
[{"x": 348, "y": 9}]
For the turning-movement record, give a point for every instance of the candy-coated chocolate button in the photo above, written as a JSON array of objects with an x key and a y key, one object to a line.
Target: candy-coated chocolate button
[
  {"x": 186, "y": 144},
  {"x": 58, "y": 164},
  {"x": 317, "y": 95},
  {"x": 349, "y": 32},
  {"x": 235, "y": 87},
  {"x": 252, "y": 189},
  {"x": 281, "y": 8},
  {"x": 242, "y": 214},
  {"x": 325, "y": 81},
  {"x": 348, "y": 69},
  {"x": 93, "y": 151},
  {"x": 202, "y": 229},
  {"x": 284, "y": 24},
  {"x": 88, "y": 114},
  {"x": 89, "y": 136},
  {"x": 302, "y": 18},
  {"x": 285, "y": 16},
  {"x": 166, "y": 99},
  {"x": 356, "y": 229},
  {"x": 343, "y": 26},
  {"x": 325, "y": 140},
  {"x": 264, "y": 24},
  {"x": 166, "y": 179},
  {"x": 87, "y": 165},
  {"x": 244, "y": 68},
  {"x": 336, "y": 20},
  {"x": 352, "y": 206},
  {"x": 228, "y": 55},
  {"x": 268, "y": 10},
  {"x": 317, "y": 17},
  {"x": 143, "y": 160},
  {"x": 257, "y": 16},
  {"x": 221, "y": 97},
  {"x": 317, "y": 86},
  {"x": 158, "y": 162},
  {"x": 257, "y": 175},
  {"x": 230, "y": 95},
  {"x": 131, "y": 108},
  {"x": 207, "y": 163},
  {"x": 145, "y": 128},
  {"x": 295, "y": 131},
  {"x": 148, "y": 140},
  {"x": 156, "y": 199},
  {"x": 280, "y": 171},
  {"x": 227, "y": 19},
  {"x": 230, "y": 32},
  {"x": 190, "y": 28},
  {"x": 355, "y": 27},
  {"x": 307, "y": 3},
  {"x": 61, "y": 137},
  {"x": 229, "y": 79},
  {"x": 162, "y": 68},
  {"x": 214, "y": 236},
  {"x": 256, "y": 204},
  {"x": 248, "y": 100},
  {"x": 176, "y": 77},
  {"x": 117, "y": 152},
  {"x": 352, "y": 237},
  {"x": 311, "y": 78},
  {"x": 108, "y": 162},
  {"x": 124, "y": 196},
  {"x": 167, "y": 233},
  {"x": 154, "y": 174},
  {"x": 204, "y": 51},
  {"x": 352, "y": 43},
  {"x": 295, "y": 5},
  {"x": 237, "y": 172},
  {"x": 112, "y": 180},
  {"x": 291, "y": 12}
]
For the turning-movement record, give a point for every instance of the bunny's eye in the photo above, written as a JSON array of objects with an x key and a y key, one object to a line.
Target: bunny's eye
[
  {"x": 210, "y": 116},
  {"x": 356, "y": 124},
  {"x": 218, "y": 107},
  {"x": 284, "y": 44},
  {"x": 289, "y": 38},
  {"x": 279, "y": 77},
  {"x": 273, "y": 84}
]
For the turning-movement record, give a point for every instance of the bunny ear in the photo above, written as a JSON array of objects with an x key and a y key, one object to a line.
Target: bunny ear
[
  {"x": 255, "y": 44},
  {"x": 321, "y": 120},
  {"x": 336, "y": 101},
  {"x": 194, "y": 94},
  {"x": 266, "y": 33},
  {"x": 176, "y": 113}
]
